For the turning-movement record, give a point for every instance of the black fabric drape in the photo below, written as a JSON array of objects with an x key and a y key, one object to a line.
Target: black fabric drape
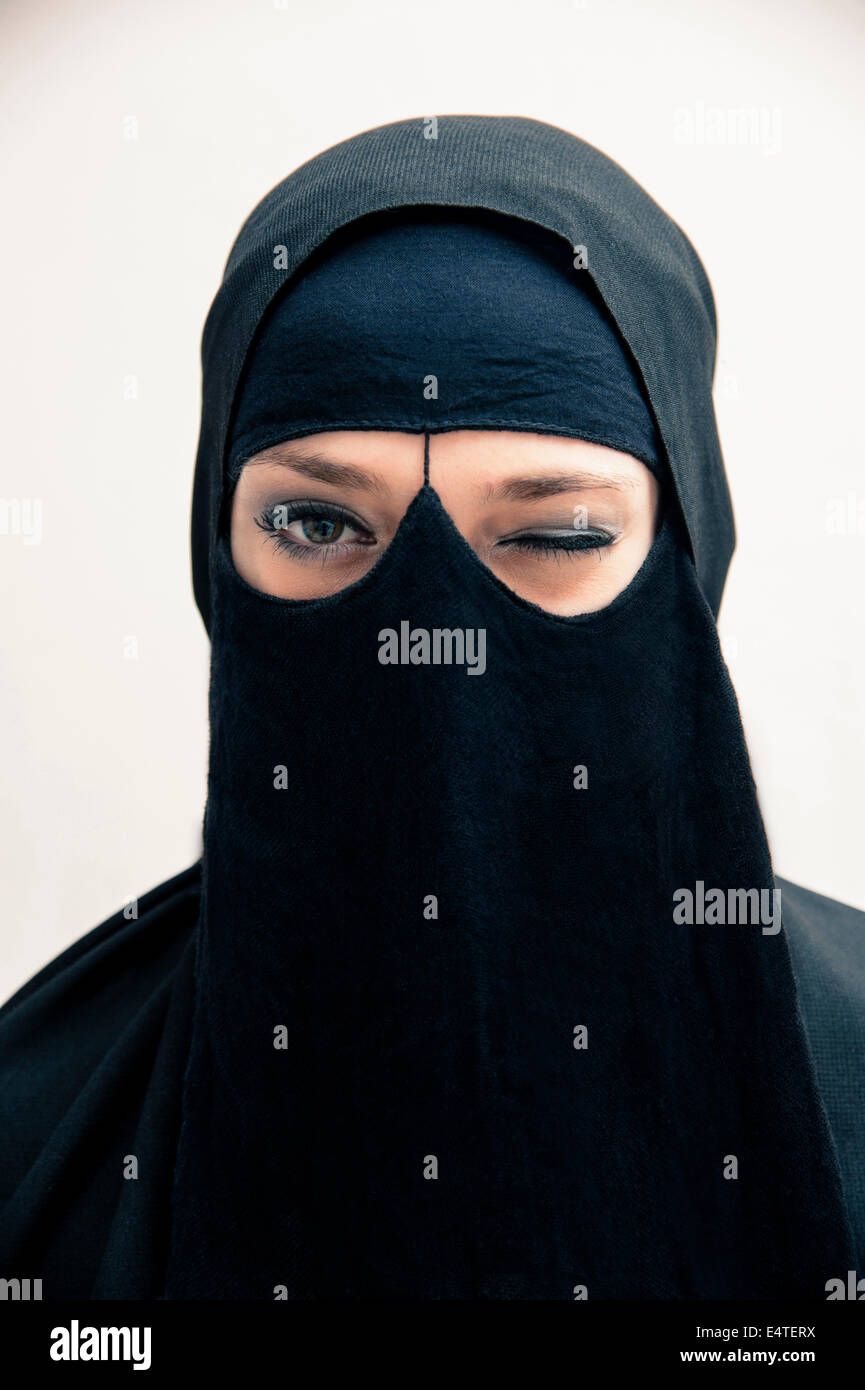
[
  {"x": 411, "y": 1038},
  {"x": 356, "y": 1076}
]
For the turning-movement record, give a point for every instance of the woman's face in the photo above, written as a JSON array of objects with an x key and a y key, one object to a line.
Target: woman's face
[{"x": 563, "y": 523}]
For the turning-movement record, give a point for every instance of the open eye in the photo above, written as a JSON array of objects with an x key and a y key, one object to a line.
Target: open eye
[{"x": 303, "y": 527}]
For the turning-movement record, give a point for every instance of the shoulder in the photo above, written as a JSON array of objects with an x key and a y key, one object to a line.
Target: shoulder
[
  {"x": 116, "y": 953},
  {"x": 95, "y": 1007},
  {"x": 826, "y": 940},
  {"x": 805, "y": 902}
]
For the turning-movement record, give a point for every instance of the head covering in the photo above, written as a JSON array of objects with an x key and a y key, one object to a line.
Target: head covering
[
  {"x": 442, "y": 319},
  {"x": 464, "y": 1022},
  {"x": 648, "y": 275},
  {"x": 487, "y": 995}
]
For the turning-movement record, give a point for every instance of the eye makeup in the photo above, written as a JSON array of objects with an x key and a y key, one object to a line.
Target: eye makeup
[
  {"x": 307, "y": 527},
  {"x": 541, "y": 544}
]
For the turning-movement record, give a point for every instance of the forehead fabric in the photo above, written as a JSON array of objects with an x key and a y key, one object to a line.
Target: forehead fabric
[{"x": 442, "y": 320}]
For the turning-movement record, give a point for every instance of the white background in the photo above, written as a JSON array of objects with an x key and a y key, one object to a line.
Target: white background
[{"x": 113, "y": 249}]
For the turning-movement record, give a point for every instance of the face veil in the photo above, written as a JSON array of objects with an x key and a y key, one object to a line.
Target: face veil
[{"x": 451, "y": 1038}]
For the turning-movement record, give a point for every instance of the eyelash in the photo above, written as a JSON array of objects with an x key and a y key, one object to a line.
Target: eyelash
[
  {"x": 580, "y": 543},
  {"x": 539, "y": 545},
  {"x": 309, "y": 511}
]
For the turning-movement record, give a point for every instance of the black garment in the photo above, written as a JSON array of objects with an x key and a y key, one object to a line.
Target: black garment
[
  {"x": 305, "y": 1055},
  {"x": 411, "y": 1037},
  {"x": 827, "y": 946},
  {"x": 431, "y": 318},
  {"x": 122, "y": 994}
]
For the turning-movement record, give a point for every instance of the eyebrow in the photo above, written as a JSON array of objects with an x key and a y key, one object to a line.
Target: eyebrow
[
  {"x": 528, "y": 489},
  {"x": 327, "y": 470},
  {"x": 554, "y": 484}
]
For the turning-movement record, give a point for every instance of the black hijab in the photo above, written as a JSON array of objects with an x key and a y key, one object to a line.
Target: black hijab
[
  {"x": 427, "y": 318},
  {"x": 648, "y": 275},
  {"x": 442, "y": 1031}
]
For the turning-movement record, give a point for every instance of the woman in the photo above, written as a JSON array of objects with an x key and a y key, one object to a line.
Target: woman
[{"x": 480, "y": 990}]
